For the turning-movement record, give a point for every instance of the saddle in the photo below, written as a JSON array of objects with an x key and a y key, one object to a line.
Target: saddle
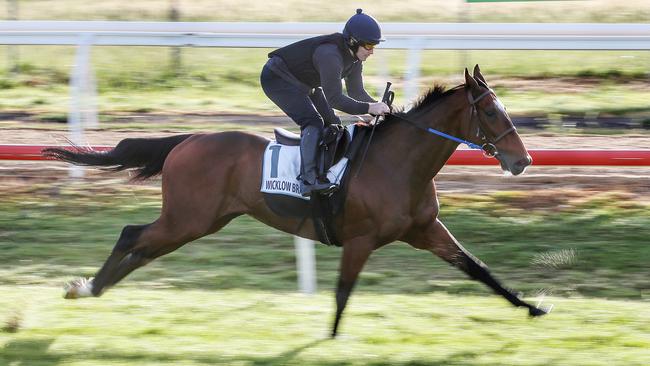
[{"x": 336, "y": 144}]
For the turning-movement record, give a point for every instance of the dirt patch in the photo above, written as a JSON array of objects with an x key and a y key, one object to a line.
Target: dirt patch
[
  {"x": 550, "y": 199},
  {"x": 567, "y": 84}
]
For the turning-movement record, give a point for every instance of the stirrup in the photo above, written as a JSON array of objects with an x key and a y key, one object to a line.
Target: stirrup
[{"x": 318, "y": 188}]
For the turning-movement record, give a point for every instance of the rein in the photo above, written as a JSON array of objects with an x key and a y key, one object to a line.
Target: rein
[{"x": 488, "y": 147}]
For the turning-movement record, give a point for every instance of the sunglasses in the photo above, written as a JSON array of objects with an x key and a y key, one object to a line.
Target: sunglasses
[{"x": 368, "y": 46}]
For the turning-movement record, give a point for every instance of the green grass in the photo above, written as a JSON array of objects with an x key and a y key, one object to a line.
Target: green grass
[
  {"x": 138, "y": 79},
  {"x": 573, "y": 245},
  {"x": 142, "y": 326},
  {"x": 339, "y": 10},
  {"x": 230, "y": 298}
]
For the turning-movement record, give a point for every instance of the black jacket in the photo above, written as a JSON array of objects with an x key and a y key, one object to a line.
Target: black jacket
[{"x": 323, "y": 61}]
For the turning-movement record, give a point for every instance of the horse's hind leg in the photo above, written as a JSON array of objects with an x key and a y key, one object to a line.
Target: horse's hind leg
[
  {"x": 137, "y": 246},
  {"x": 83, "y": 287},
  {"x": 438, "y": 240},
  {"x": 144, "y": 254}
]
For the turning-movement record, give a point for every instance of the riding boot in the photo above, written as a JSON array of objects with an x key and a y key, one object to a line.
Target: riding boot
[{"x": 309, "y": 181}]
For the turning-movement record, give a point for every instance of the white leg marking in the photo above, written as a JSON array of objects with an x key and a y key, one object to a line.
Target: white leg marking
[{"x": 81, "y": 287}]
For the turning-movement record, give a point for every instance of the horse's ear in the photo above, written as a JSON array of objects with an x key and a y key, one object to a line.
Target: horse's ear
[
  {"x": 469, "y": 80},
  {"x": 478, "y": 75}
]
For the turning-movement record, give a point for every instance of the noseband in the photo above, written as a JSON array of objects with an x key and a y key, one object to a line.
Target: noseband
[{"x": 488, "y": 146}]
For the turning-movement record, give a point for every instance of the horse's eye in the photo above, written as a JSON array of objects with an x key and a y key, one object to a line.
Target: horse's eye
[{"x": 490, "y": 112}]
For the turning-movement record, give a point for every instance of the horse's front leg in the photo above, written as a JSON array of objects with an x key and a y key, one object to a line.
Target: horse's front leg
[
  {"x": 355, "y": 255},
  {"x": 437, "y": 239}
]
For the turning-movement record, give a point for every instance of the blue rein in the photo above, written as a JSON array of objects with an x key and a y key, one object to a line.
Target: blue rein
[
  {"x": 454, "y": 138},
  {"x": 472, "y": 103},
  {"x": 471, "y": 145}
]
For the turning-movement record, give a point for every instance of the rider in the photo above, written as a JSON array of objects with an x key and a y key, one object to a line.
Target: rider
[{"x": 304, "y": 80}]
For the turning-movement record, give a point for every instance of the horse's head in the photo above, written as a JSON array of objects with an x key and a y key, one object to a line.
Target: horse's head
[{"x": 491, "y": 127}]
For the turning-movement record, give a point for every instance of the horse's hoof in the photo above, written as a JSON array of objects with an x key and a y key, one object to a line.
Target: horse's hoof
[
  {"x": 81, "y": 287},
  {"x": 539, "y": 311}
]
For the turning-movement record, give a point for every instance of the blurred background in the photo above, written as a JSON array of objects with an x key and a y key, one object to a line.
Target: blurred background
[{"x": 577, "y": 237}]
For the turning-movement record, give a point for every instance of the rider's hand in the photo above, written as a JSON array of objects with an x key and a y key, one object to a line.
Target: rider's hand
[
  {"x": 378, "y": 109},
  {"x": 364, "y": 120}
]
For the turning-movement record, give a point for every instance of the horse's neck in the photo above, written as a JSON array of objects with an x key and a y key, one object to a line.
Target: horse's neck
[{"x": 420, "y": 155}]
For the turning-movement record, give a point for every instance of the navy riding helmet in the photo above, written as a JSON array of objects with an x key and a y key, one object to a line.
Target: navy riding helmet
[{"x": 362, "y": 29}]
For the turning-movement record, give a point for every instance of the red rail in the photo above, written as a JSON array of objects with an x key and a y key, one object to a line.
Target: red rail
[
  {"x": 460, "y": 157},
  {"x": 33, "y": 152},
  {"x": 563, "y": 157}
]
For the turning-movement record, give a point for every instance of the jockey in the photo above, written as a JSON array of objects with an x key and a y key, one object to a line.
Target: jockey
[{"x": 304, "y": 80}]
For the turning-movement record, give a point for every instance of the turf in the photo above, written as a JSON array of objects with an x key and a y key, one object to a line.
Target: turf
[
  {"x": 560, "y": 243},
  {"x": 144, "y": 326}
]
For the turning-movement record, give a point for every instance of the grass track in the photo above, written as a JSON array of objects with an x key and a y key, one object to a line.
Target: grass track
[
  {"x": 229, "y": 299},
  {"x": 140, "y": 326},
  {"x": 530, "y": 240}
]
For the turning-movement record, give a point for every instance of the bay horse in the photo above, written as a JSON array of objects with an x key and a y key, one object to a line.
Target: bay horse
[{"x": 209, "y": 179}]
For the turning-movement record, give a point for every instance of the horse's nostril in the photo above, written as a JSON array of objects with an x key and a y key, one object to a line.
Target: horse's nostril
[{"x": 524, "y": 162}]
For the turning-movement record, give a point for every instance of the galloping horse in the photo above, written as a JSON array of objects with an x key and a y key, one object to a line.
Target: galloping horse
[{"x": 209, "y": 179}]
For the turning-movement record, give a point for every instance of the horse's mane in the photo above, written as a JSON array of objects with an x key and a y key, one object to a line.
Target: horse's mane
[{"x": 427, "y": 100}]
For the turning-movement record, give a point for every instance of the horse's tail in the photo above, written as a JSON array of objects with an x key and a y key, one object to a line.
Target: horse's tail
[{"x": 147, "y": 155}]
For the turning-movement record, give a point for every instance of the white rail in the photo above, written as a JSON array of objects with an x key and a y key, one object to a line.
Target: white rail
[{"x": 521, "y": 36}]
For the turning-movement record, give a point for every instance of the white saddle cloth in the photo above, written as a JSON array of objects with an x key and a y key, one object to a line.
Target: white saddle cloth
[{"x": 281, "y": 167}]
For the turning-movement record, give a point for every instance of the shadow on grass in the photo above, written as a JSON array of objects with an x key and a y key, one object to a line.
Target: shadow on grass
[
  {"x": 285, "y": 358},
  {"x": 290, "y": 357},
  {"x": 29, "y": 352},
  {"x": 35, "y": 353}
]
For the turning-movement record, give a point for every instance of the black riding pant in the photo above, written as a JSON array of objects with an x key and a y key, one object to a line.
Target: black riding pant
[{"x": 303, "y": 106}]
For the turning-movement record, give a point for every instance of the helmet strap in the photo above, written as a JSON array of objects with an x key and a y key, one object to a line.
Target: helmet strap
[{"x": 353, "y": 44}]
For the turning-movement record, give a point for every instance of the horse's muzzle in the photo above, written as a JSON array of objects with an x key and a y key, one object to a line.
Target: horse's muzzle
[{"x": 521, "y": 165}]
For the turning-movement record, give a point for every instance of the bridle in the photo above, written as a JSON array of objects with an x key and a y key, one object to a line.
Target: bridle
[{"x": 487, "y": 142}]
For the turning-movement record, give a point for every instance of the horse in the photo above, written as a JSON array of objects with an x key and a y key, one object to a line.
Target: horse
[{"x": 210, "y": 179}]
